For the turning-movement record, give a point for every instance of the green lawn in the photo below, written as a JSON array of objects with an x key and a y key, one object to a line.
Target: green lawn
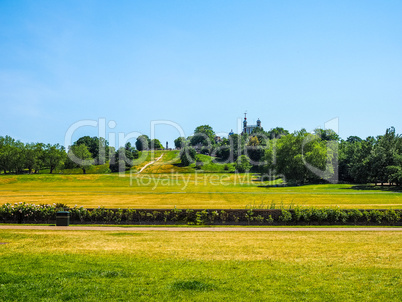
[
  {"x": 184, "y": 190},
  {"x": 165, "y": 184},
  {"x": 200, "y": 266}
]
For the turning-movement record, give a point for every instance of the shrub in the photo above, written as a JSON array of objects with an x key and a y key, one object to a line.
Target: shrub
[
  {"x": 391, "y": 216},
  {"x": 249, "y": 216},
  {"x": 377, "y": 216},
  {"x": 270, "y": 220},
  {"x": 201, "y": 217},
  {"x": 223, "y": 216},
  {"x": 355, "y": 215},
  {"x": 285, "y": 217}
]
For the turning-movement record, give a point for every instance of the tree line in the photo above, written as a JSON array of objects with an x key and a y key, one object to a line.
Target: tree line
[
  {"x": 301, "y": 157},
  {"x": 17, "y": 157}
]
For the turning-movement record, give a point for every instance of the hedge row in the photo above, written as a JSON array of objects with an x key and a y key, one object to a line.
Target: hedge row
[{"x": 31, "y": 213}]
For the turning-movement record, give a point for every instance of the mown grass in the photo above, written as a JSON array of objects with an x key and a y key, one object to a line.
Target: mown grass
[
  {"x": 184, "y": 190},
  {"x": 200, "y": 266}
]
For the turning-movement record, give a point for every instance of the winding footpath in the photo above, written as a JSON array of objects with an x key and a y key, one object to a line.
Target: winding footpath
[{"x": 150, "y": 163}]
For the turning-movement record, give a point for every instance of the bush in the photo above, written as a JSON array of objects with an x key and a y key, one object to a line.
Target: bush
[
  {"x": 285, "y": 217},
  {"x": 243, "y": 164},
  {"x": 23, "y": 212}
]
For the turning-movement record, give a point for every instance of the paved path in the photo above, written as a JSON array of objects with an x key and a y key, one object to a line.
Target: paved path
[
  {"x": 199, "y": 229},
  {"x": 150, "y": 163}
]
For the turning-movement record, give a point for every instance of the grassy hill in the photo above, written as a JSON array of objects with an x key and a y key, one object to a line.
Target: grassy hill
[
  {"x": 170, "y": 163},
  {"x": 165, "y": 184}
]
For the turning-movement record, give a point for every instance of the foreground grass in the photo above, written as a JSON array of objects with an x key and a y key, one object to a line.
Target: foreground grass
[
  {"x": 184, "y": 190},
  {"x": 197, "y": 266}
]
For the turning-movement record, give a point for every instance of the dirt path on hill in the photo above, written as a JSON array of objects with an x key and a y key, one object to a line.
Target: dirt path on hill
[
  {"x": 200, "y": 229},
  {"x": 150, "y": 163}
]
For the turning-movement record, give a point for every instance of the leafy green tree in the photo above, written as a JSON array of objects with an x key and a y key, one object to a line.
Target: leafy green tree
[
  {"x": 327, "y": 134},
  {"x": 122, "y": 160},
  {"x": 187, "y": 156},
  {"x": 55, "y": 155},
  {"x": 98, "y": 147},
  {"x": 12, "y": 155},
  {"x": 203, "y": 135},
  {"x": 385, "y": 154},
  {"x": 179, "y": 142},
  {"x": 156, "y": 144},
  {"x": 360, "y": 160},
  {"x": 34, "y": 154},
  {"x": 395, "y": 171},
  {"x": 228, "y": 150},
  {"x": 277, "y": 132},
  {"x": 18, "y": 159},
  {"x": 143, "y": 143},
  {"x": 255, "y": 152},
  {"x": 81, "y": 156},
  {"x": 135, "y": 153},
  {"x": 243, "y": 164},
  {"x": 303, "y": 158}
]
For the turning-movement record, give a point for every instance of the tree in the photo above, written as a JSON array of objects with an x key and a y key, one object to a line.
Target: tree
[
  {"x": 277, "y": 132},
  {"x": 360, "y": 162},
  {"x": 81, "y": 156},
  {"x": 203, "y": 135},
  {"x": 243, "y": 164},
  {"x": 12, "y": 155},
  {"x": 327, "y": 134},
  {"x": 255, "y": 152},
  {"x": 187, "y": 156},
  {"x": 143, "y": 143},
  {"x": 98, "y": 147},
  {"x": 34, "y": 155},
  {"x": 156, "y": 144},
  {"x": 122, "y": 160},
  {"x": 54, "y": 156},
  {"x": 179, "y": 142},
  {"x": 384, "y": 155},
  {"x": 303, "y": 158}
]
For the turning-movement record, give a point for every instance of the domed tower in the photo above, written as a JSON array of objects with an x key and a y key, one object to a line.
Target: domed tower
[{"x": 258, "y": 123}]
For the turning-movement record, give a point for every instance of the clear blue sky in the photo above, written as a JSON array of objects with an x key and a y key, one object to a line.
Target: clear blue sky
[{"x": 293, "y": 64}]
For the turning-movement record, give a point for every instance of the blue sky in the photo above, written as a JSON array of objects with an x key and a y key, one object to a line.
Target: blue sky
[{"x": 293, "y": 64}]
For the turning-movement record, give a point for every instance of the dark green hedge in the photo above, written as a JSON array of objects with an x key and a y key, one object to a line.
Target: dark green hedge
[{"x": 31, "y": 213}]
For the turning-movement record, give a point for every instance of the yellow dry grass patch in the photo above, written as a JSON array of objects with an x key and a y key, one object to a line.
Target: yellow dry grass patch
[
  {"x": 184, "y": 190},
  {"x": 363, "y": 249}
]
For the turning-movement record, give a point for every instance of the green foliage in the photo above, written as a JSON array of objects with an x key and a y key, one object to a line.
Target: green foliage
[
  {"x": 243, "y": 164},
  {"x": 180, "y": 142},
  {"x": 97, "y": 146},
  {"x": 300, "y": 153},
  {"x": 201, "y": 217},
  {"x": 156, "y": 144},
  {"x": 142, "y": 143},
  {"x": 277, "y": 132},
  {"x": 122, "y": 160},
  {"x": 23, "y": 212},
  {"x": 187, "y": 156},
  {"x": 203, "y": 135},
  {"x": 285, "y": 217},
  {"x": 80, "y": 155},
  {"x": 270, "y": 220},
  {"x": 249, "y": 216}
]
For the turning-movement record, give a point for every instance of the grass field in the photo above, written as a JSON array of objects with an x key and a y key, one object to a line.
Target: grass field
[
  {"x": 165, "y": 184},
  {"x": 184, "y": 190},
  {"x": 200, "y": 266}
]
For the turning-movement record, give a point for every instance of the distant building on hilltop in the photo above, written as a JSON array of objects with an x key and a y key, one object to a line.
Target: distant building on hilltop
[{"x": 248, "y": 129}]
